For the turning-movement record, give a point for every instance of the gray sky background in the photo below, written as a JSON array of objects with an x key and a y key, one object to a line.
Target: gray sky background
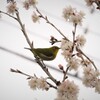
[{"x": 14, "y": 86}]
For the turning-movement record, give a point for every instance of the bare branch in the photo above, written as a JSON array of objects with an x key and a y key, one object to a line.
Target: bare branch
[
  {"x": 81, "y": 52},
  {"x": 45, "y": 18},
  {"x": 8, "y": 15},
  {"x": 20, "y": 72}
]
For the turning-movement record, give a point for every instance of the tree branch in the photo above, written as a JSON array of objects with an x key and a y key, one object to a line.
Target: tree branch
[
  {"x": 29, "y": 76},
  {"x": 45, "y": 18},
  {"x": 81, "y": 52},
  {"x": 23, "y": 30},
  {"x": 8, "y": 15}
]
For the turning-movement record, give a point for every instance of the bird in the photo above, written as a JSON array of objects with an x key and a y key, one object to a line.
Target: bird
[{"x": 46, "y": 54}]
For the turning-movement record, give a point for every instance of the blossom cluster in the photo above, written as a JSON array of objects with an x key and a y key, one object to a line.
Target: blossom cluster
[
  {"x": 68, "y": 90},
  {"x": 72, "y": 15},
  {"x": 68, "y": 54},
  {"x": 35, "y": 17},
  {"x": 91, "y": 78},
  {"x": 11, "y": 7},
  {"x": 38, "y": 83},
  {"x": 28, "y": 3}
]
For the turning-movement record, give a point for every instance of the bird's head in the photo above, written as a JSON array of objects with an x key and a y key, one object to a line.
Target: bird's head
[{"x": 55, "y": 49}]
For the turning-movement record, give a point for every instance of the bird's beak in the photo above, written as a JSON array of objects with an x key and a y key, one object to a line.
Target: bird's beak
[{"x": 59, "y": 48}]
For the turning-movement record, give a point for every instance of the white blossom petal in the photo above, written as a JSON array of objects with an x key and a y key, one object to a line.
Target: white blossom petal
[
  {"x": 68, "y": 90},
  {"x": 80, "y": 40},
  {"x": 11, "y": 7}
]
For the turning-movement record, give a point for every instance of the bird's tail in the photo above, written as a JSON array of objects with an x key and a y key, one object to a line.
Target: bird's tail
[
  {"x": 32, "y": 50},
  {"x": 28, "y": 48}
]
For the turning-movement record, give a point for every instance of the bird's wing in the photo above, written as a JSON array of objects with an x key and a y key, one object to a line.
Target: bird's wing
[
  {"x": 45, "y": 52},
  {"x": 46, "y": 57}
]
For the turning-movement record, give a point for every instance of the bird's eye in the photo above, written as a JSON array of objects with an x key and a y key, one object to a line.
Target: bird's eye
[{"x": 55, "y": 48}]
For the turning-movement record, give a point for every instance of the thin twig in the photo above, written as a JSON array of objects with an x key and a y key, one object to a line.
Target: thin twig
[
  {"x": 45, "y": 18},
  {"x": 29, "y": 76},
  {"x": 20, "y": 72},
  {"x": 81, "y": 52},
  {"x": 23, "y": 30},
  {"x": 22, "y": 25},
  {"x": 65, "y": 73},
  {"x": 51, "y": 85},
  {"x": 8, "y": 15}
]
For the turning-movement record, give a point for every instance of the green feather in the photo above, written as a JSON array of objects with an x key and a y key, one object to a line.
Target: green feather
[{"x": 45, "y": 53}]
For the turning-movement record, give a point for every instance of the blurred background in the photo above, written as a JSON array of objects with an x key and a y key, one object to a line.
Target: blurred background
[{"x": 13, "y": 55}]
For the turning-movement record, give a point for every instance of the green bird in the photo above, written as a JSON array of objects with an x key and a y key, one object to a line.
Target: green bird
[{"x": 46, "y": 54}]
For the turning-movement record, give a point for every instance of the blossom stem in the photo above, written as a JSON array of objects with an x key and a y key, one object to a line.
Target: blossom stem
[{"x": 65, "y": 73}]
